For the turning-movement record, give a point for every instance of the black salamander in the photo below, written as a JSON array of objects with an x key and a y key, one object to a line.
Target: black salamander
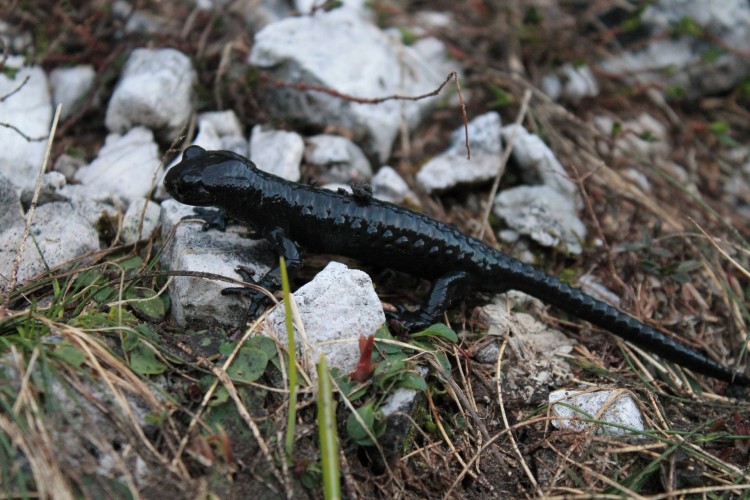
[{"x": 380, "y": 233}]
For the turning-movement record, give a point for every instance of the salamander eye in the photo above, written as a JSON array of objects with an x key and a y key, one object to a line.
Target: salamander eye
[{"x": 193, "y": 152}]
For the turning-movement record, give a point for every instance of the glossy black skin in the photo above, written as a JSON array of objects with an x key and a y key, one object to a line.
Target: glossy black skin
[{"x": 384, "y": 234}]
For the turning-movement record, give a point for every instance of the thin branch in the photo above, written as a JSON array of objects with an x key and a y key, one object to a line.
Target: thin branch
[
  {"x": 16, "y": 90},
  {"x": 305, "y": 87},
  {"x": 18, "y": 131}
]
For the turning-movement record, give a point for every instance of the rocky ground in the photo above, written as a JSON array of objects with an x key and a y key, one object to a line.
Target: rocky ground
[{"x": 605, "y": 142}]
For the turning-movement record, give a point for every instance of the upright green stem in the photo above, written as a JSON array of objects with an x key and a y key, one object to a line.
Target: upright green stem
[
  {"x": 291, "y": 364},
  {"x": 327, "y": 436}
]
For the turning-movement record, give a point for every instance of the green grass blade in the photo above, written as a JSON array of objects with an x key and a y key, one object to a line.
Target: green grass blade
[
  {"x": 327, "y": 436},
  {"x": 291, "y": 365}
]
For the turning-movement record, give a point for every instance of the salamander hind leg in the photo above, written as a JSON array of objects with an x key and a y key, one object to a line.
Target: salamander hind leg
[
  {"x": 272, "y": 279},
  {"x": 443, "y": 292}
]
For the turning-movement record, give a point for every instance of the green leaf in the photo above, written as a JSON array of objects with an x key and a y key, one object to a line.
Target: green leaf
[
  {"x": 104, "y": 295},
  {"x": 249, "y": 365},
  {"x": 143, "y": 361},
  {"x": 347, "y": 385},
  {"x": 146, "y": 303},
  {"x": 689, "y": 266},
  {"x": 87, "y": 278},
  {"x": 131, "y": 263},
  {"x": 148, "y": 332},
  {"x": 265, "y": 344},
  {"x": 130, "y": 340},
  {"x": 357, "y": 395},
  {"x": 10, "y": 72},
  {"x": 310, "y": 479},
  {"x": 411, "y": 380},
  {"x": 443, "y": 361},
  {"x": 688, "y": 26},
  {"x": 226, "y": 348},
  {"x": 438, "y": 330},
  {"x": 502, "y": 98},
  {"x": 219, "y": 397},
  {"x": 69, "y": 354},
  {"x": 389, "y": 368},
  {"x": 718, "y": 127},
  {"x": 372, "y": 422},
  {"x": 386, "y": 349}
]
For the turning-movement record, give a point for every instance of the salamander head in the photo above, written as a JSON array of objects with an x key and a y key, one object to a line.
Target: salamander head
[{"x": 205, "y": 178}]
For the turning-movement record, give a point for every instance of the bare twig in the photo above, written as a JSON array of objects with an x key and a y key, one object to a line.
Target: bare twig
[
  {"x": 18, "y": 131},
  {"x": 306, "y": 87},
  {"x": 16, "y": 90}
]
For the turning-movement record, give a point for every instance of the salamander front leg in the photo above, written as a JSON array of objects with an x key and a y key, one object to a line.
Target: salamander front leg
[
  {"x": 272, "y": 279},
  {"x": 443, "y": 292}
]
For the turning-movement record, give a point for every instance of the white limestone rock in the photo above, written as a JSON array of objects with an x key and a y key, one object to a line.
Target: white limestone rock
[
  {"x": 572, "y": 83},
  {"x": 336, "y": 307},
  {"x": 68, "y": 165},
  {"x": 538, "y": 352},
  {"x": 729, "y": 19},
  {"x": 30, "y": 111},
  {"x": 70, "y": 86},
  {"x": 592, "y": 286},
  {"x": 543, "y": 214},
  {"x": 225, "y": 123},
  {"x": 198, "y": 301},
  {"x": 13, "y": 39},
  {"x": 235, "y": 144},
  {"x": 132, "y": 221},
  {"x": 300, "y": 49},
  {"x": 388, "y": 185},
  {"x": 451, "y": 167},
  {"x": 277, "y": 151},
  {"x": 613, "y": 406},
  {"x": 123, "y": 169},
  {"x": 686, "y": 63},
  {"x": 208, "y": 137},
  {"x": 359, "y": 7},
  {"x": 11, "y": 212},
  {"x": 642, "y": 137},
  {"x": 154, "y": 91},
  {"x": 61, "y": 236},
  {"x": 259, "y": 13},
  {"x": 539, "y": 164},
  {"x": 49, "y": 190},
  {"x": 337, "y": 158},
  {"x": 96, "y": 213}
]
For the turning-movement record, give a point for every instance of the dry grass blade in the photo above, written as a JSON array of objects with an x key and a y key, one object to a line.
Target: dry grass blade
[
  {"x": 117, "y": 377},
  {"x": 221, "y": 374},
  {"x": 736, "y": 264},
  {"x": 498, "y": 382},
  {"x": 486, "y": 445},
  {"x": 32, "y": 210},
  {"x": 504, "y": 161},
  {"x": 35, "y": 441},
  {"x": 41, "y": 457},
  {"x": 614, "y": 484},
  {"x": 212, "y": 389}
]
